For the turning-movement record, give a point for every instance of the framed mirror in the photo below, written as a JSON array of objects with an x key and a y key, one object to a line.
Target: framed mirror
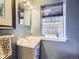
[
  {"x": 7, "y": 14},
  {"x": 25, "y": 12},
  {"x": 25, "y": 17}
]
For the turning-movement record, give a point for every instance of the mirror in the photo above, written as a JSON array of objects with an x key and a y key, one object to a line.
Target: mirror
[
  {"x": 25, "y": 17},
  {"x": 30, "y": 8},
  {"x": 25, "y": 13}
]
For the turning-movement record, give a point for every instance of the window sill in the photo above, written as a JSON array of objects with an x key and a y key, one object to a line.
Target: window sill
[{"x": 60, "y": 39}]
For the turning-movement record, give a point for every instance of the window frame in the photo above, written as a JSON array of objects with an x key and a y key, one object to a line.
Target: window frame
[{"x": 64, "y": 38}]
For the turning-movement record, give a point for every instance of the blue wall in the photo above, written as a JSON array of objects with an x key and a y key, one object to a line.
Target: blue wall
[{"x": 70, "y": 48}]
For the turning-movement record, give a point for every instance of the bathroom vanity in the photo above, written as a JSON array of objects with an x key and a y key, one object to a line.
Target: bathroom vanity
[{"x": 29, "y": 48}]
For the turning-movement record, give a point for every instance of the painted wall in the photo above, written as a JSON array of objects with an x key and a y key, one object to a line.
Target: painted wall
[
  {"x": 70, "y": 48},
  {"x": 44, "y": 2},
  {"x": 35, "y": 18}
]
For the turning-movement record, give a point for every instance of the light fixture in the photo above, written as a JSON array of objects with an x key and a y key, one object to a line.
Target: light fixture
[
  {"x": 25, "y": 5},
  {"x": 28, "y": 3},
  {"x": 24, "y": 0},
  {"x": 31, "y": 7}
]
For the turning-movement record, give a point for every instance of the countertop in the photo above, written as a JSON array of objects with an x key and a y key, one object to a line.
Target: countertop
[{"x": 30, "y": 41}]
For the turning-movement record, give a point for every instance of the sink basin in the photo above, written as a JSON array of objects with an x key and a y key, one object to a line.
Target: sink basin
[{"x": 30, "y": 42}]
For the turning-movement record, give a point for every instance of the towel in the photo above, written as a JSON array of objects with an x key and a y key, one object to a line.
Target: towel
[{"x": 5, "y": 46}]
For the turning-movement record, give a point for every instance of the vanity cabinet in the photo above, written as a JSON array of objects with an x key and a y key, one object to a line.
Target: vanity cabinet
[
  {"x": 29, "y": 53},
  {"x": 29, "y": 49}
]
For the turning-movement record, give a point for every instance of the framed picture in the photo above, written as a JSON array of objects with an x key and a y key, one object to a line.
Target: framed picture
[
  {"x": 52, "y": 10},
  {"x": 7, "y": 14}
]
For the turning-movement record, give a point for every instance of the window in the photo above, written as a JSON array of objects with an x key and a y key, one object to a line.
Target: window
[{"x": 53, "y": 21}]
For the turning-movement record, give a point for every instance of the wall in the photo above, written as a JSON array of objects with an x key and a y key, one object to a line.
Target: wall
[
  {"x": 35, "y": 18},
  {"x": 68, "y": 49},
  {"x": 44, "y": 2}
]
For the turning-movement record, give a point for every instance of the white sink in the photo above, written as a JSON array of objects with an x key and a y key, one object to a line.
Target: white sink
[{"x": 30, "y": 41}]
